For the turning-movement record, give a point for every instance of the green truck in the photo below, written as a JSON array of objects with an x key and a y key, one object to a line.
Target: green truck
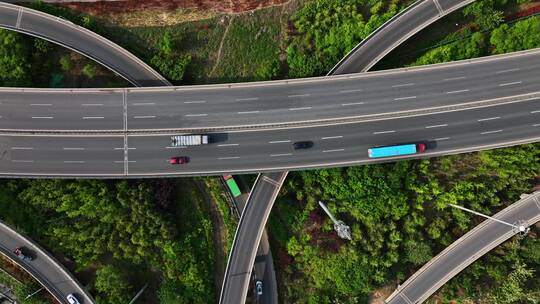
[{"x": 233, "y": 187}]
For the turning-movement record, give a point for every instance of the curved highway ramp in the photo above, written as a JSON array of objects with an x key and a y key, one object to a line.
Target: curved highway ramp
[
  {"x": 44, "y": 267},
  {"x": 465, "y": 251},
  {"x": 248, "y": 237},
  {"x": 393, "y": 32},
  {"x": 81, "y": 40}
]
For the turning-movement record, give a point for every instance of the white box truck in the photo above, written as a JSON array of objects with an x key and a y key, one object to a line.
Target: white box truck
[{"x": 188, "y": 140}]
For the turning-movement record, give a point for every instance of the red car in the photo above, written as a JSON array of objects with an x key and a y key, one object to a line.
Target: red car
[{"x": 179, "y": 160}]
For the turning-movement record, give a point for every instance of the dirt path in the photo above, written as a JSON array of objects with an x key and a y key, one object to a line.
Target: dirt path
[
  {"x": 219, "y": 237},
  {"x": 218, "y": 59}
]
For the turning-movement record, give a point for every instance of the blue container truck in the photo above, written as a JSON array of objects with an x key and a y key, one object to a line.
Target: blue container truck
[{"x": 396, "y": 150}]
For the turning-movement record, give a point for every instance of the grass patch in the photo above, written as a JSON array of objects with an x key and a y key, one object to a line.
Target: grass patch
[
  {"x": 214, "y": 187},
  {"x": 252, "y": 47},
  {"x": 199, "y": 39},
  {"x": 23, "y": 286}
]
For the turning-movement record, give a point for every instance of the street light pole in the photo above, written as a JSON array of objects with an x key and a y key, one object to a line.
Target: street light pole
[
  {"x": 520, "y": 227},
  {"x": 342, "y": 230},
  {"x": 32, "y": 294}
]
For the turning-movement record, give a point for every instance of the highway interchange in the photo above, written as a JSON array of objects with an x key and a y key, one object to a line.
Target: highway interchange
[{"x": 492, "y": 130}]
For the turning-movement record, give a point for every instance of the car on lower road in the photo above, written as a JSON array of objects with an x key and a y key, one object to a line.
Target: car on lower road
[
  {"x": 22, "y": 254},
  {"x": 72, "y": 299},
  {"x": 179, "y": 160},
  {"x": 258, "y": 287}
]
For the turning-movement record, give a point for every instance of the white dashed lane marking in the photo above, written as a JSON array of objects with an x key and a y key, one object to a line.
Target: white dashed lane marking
[
  {"x": 195, "y": 101},
  {"x": 350, "y": 91},
  {"x": 352, "y": 103},
  {"x": 143, "y": 104},
  {"x": 384, "y": 132},
  {"x": 491, "y": 132},
  {"x": 509, "y": 83},
  {"x": 231, "y": 157},
  {"x": 334, "y": 150},
  {"x": 490, "y": 118},
  {"x": 228, "y": 145},
  {"x": 436, "y": 126},
  {"x": 454, "y": 78},
  {"x": 507, "y": 71},
  {"x": 144, "y": 117},
  {"x": 247, "y": 99},
  {"x": 403, "y": 85},
  {"x": 299, "y": 95},
  {"x": 195, "y": 115},
  {"x": 332, "y": 137},
  {"x": 22, "y": 148},
  {"x": 458, "y": 91},
  {"x": 405, "y": 98}
]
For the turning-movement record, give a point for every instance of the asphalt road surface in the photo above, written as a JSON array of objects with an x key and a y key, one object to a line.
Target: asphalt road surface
[
  {"x": 465, "y": 251},
  {"x": 449, "y": 132},
  {"x": 391, "y": 34},
  {"x": 284, "y": 102},
  {"x": 65, "y": 33},
  {"x": 264, "y": 264},
  {"x": 44, "y": 268},
  {"x": 247, "y": 237}
]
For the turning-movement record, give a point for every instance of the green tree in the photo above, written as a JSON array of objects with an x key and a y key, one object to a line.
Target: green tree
[
  {"x": 113, "y": 283},
  {"x": 168, "y": 62},
  {"x": 417, "y": 253},
  {"x": 97, "y": 219},
  {"x": 65, "y": 63},
  {"x": 14, "y": 59},
  {"x": 511, "y": 289},
  {"x": 522, "y": 35},
  {"x": 89, "y": 71},
  {"x": 485, "y": 14}
]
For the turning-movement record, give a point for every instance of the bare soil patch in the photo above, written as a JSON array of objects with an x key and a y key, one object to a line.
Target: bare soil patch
[{"x": 119, "y": 7}]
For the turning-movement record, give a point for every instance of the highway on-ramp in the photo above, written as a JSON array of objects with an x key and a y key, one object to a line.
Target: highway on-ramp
[
  {"x": 395, "y": 31},
  {"x": 77, "y": 38},
  {"x": 247, "y": 239},
  {"x": 44, "y": 268},
  {"x": 465, "y": 251}
]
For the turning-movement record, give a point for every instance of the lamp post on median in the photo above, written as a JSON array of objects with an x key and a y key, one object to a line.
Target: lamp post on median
[
  {"x": 520, "y": 227},
  {"x": 342, "y": 230}
]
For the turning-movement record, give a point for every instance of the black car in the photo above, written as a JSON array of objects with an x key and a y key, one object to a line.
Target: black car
[
  {"x": 23, "y": 254},
  {"x": 302, "y": 145}
]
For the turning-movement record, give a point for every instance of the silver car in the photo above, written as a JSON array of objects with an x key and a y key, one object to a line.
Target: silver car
[
  {"x": 72, "y": 299},
  {"x": 258, "y": 287}
]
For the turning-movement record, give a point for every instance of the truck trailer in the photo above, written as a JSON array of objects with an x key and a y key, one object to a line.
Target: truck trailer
[
  {"x": 188, "y": 140},
  {"x": 396, "y": 150}
]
